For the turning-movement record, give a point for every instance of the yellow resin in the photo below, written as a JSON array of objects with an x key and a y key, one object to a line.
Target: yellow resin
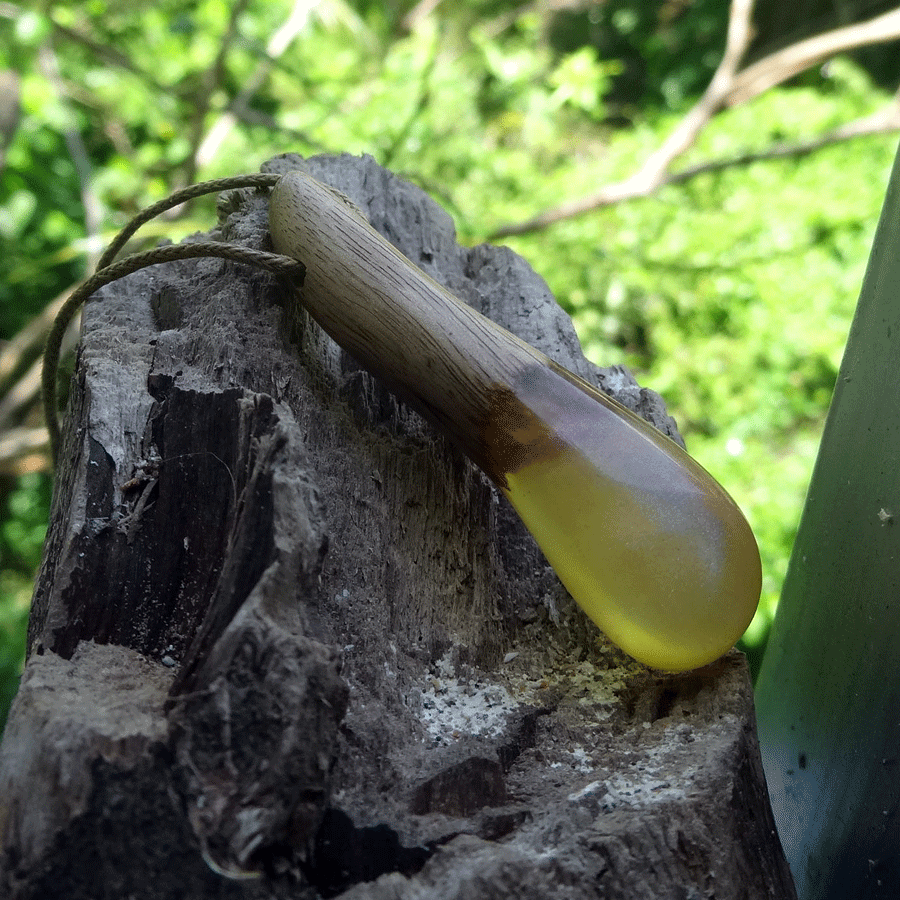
[{"x": 648, "y": 543}]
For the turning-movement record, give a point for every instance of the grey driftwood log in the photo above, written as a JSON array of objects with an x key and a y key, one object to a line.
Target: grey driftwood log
[{"x": 288, "y": 642}]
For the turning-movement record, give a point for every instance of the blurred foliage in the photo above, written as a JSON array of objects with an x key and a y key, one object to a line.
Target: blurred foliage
[
  {"x": 23, "y": 524},
  {"x": 730, "y": 294}
]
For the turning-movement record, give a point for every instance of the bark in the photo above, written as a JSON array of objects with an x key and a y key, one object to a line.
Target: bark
[{"x": 288, "y": 642}]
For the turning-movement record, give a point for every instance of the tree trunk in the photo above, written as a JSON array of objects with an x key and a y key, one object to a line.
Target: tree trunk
[{"x": 287, "y": 642}]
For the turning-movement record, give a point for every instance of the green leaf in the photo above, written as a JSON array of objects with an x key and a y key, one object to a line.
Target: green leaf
[{"x": 828, "y": 693}]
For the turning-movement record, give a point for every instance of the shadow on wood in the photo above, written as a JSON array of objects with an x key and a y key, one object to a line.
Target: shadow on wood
[{"x": 287, "y": 642}]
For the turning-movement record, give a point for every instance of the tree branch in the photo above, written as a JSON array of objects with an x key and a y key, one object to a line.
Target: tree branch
[
  {"x": 713, "y": 99},
  {"x": 778, "y": 67},
  {"x": 238, "y": 109},
  {"x": 211, "y": 79},
  {"x": 49, "y": 65},
  {"x": 24, "y": 450},
  {"x": 651, "y": 175},
  {"x": 881, "y": 122},
  {"x": 23, "y": 447},
  {"x": 109, "y": 55},
  {"x": 10, "y": 110},
  {"x": 729, "y": 88}
]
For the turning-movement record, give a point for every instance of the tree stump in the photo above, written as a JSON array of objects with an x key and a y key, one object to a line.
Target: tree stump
[{"x": 287, "y": 642}]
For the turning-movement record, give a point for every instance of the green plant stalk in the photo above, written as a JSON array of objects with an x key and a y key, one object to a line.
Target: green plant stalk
[{"x": 828, "y": 693}]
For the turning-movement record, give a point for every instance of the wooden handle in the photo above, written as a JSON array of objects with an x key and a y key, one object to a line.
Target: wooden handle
[{"x": 403, "y": 326}]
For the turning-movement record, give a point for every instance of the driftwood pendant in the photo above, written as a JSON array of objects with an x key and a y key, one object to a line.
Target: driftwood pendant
[{"x": 615, "y": 505}]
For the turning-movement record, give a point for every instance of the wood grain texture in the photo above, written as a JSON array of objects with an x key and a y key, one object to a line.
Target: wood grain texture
[{"x": 402, "y": 325}]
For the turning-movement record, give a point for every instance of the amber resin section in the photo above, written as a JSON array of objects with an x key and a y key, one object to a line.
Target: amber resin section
[{"x": 646, "y": 541}]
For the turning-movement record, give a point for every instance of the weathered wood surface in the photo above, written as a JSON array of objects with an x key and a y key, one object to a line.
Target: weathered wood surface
[{"x": 284, "y": 629}]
